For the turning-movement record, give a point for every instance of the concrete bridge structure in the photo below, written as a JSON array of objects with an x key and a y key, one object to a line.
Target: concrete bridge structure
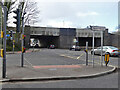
[{"x": 62, "y": 37}]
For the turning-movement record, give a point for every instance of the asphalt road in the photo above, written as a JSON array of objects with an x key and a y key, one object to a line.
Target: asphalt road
[
  {"x": 107, "y": 81},
  {"x": 62, "y": 57},
  {"x": 43, "y": 57},
  {"x": 56, "y": 57}
]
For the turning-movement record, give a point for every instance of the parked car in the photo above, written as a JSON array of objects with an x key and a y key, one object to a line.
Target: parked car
[
  {"x": 51, "y": 46},
  {"x": 76, "y": 48},
  {"x": 112, "y": 51}
]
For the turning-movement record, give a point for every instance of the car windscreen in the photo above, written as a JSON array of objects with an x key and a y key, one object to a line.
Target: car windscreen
[{"x": 112, "y": 47}]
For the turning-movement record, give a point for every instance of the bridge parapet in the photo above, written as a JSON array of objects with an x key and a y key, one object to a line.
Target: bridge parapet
[
  {"x": 87, "y": 33},
  {"x": 44, "y": 31}
]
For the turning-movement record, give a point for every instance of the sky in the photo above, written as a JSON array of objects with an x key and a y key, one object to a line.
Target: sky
[{"x": 78, "y": 14}]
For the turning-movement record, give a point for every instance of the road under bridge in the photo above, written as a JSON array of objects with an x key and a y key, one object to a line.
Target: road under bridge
[{"x": 62, "y": 37}]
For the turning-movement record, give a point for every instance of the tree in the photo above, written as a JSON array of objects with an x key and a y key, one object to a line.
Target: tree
[
  {"x": 27, "y": 7},
  {"x": 31, "y": 12}
]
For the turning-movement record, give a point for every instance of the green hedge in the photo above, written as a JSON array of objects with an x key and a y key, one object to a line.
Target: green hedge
[{"x": 9, "y": 44}]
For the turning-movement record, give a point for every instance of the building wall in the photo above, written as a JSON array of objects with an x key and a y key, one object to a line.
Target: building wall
[{"x": 111, "y": 39}]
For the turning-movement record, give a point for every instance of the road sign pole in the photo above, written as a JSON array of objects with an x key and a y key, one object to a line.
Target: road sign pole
[
  {"x": 86, "y": 53},
  {"x": 101, "y": 48},
  {"x": 13, "y": 44},
  {"x": 93, "y": 49},
  {"x": 4, "y": 43},
  {"x": 22, "y": 54},
  {"x": 13, "y": 47}
]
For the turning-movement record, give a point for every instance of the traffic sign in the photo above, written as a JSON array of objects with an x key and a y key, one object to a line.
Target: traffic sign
[
  {"x": 8, "y": 35},
  {"x": 97, "y": 28}
]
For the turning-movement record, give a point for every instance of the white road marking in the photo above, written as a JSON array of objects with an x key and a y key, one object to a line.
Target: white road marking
[
  {"x": 28, "y": 62},
  {"x": 80, "y": 56}
]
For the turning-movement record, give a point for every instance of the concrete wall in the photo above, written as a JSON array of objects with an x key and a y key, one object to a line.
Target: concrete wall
[
  {"x": 111, "y": 39},
  {"x": 66, "y": 40},
  {"x": 27, "y": 38},
  {"x": 66, "y": 37}
]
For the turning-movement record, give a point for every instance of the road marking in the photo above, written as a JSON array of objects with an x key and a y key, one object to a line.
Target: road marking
[
  {"x": 67, "y": 56},
  {"x": 80, "y": 56},
  {"x": 28, "y": 62},
  {"x": 89, "y": 61},
  {"x": 58, "y": 66},
  {"x": 71, "y": 56}
]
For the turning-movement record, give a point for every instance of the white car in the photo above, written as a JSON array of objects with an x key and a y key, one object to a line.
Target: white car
[
  {"x": 76, "y": 48},
  {"x": 112, "y": 51}
]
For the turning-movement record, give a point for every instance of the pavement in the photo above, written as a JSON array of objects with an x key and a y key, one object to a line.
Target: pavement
[{"x": 54, "y": 72}]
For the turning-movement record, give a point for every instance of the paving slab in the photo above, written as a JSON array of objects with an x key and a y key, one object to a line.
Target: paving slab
[{"x": 53, "y": 72}]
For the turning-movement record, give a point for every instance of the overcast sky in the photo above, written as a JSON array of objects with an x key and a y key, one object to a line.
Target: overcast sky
[{"x": 78, "y": 14}]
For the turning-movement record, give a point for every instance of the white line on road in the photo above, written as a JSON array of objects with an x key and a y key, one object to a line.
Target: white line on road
[
  {"x": 90, "y": 61},
  {"x": 28, "y": 62},
  {"x": 67, "y": 56},
  {"x": 80, "y": 56}
]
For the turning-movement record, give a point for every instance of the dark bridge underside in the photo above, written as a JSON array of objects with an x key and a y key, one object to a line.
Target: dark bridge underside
[
  {"x": 83, "y": 40},
  {"x": 45, "y": 41}
]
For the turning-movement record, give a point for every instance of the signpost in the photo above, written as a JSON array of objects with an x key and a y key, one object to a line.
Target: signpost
[
  {"x": 3, "y": 36},
  {"x": 98, "y": 28},
  {"x": 101, "y": 48},
  {"x": 93, "y": 48},
  {"x": 8, "y": 35},
  {"x": 13, "y": 44},
  {"x": 22, "y": 42},
  {"x": 86, "y": 53},
  {"x": 4, "y": 43}
]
